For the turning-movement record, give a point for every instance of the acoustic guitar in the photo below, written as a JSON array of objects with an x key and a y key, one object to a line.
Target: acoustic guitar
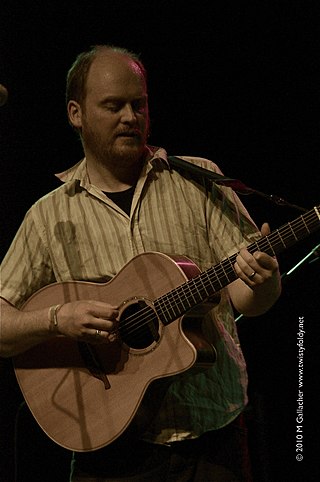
[{"x": 83, "y": 395}]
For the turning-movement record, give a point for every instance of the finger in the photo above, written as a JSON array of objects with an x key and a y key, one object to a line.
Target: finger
[
  {"x": 102, "y": 336},
  {"x": 249, "y": 275},
  {"x": 101, "y": 316},
  {"x": 247, "y": 262},
  {"x": 248, "y": 267},
  {"x": 265, "y": 229},
  {"x": 265, "y": 261},
  {"x": 104, "y": 311},
  {"x": 106, "y": 324}
]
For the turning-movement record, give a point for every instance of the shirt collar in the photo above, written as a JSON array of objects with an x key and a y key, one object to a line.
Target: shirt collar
[{"x": 79, "y": 170}]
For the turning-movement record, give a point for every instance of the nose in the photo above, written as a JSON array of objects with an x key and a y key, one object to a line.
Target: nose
[{"x": 128, "y": 114}]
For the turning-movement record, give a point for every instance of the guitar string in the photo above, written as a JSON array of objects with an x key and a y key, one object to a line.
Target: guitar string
[
  {"x": 133, "y": 321},
  {"x": 166, "y": 298}
]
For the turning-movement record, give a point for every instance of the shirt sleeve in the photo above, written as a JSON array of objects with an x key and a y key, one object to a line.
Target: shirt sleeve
[{"x": 27, "y": 266}]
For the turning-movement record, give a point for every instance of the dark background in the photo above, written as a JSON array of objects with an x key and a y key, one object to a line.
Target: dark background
[{"x": 236, "y": 82}]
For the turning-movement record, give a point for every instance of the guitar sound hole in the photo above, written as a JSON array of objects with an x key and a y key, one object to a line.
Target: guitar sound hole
[{"x": 139, "y": 325}]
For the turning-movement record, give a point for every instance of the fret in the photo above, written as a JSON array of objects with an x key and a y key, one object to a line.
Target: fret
[
  {"x": 280, "y": 237},
  {"x": 224, "y": 272},
  {"x": 191, "y": 291},
  {"x": 162, "y": 306},
  {"x": 171, "y": 307},
  {"x": 208, "y": 293},
  {"x": 200, "y": 291},
  {"x": 214, "y": 279},
  {"x": 216, "y": 282},
  {"x": 255, "y": 246},
  {"x": 306, "y": 226},
  {"x": 293, "y": 232},
  {"x": 232, "y": 272},
  {"x": 270, "y": 246}
]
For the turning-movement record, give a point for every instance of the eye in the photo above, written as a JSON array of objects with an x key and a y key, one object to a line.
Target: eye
[
  {"x": 112, "y": 106},
  {"x": 139, "y": 106}
]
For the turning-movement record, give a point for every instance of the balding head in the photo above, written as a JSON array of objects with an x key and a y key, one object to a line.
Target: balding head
[{"x": 78, "y": 73}]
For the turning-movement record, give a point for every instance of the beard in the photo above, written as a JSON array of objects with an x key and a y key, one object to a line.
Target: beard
[{"x": 124, "y": 147}]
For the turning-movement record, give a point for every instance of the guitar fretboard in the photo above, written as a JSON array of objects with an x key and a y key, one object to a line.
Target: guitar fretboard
[{"x": 180, "y": 300}]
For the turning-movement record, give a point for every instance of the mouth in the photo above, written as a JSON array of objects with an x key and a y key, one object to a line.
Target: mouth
[{"x": 130, "y": 134}]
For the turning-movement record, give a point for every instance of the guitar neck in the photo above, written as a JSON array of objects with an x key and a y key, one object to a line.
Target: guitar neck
[{"x": 180, "y": 300}]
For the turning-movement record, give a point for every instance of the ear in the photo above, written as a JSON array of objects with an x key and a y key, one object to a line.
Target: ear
[{"x": 75, "y": 114}]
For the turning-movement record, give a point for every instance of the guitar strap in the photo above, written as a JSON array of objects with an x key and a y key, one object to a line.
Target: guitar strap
[{"x": 201, "y": 174}]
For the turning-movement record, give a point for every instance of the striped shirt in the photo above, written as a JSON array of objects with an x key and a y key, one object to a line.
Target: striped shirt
[{"x": 77, "y": 233}]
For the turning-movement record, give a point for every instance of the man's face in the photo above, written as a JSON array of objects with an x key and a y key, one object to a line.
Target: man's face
[{"x": 114, "y": 117}]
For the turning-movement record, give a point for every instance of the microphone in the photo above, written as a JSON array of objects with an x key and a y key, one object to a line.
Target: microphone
[{"x": 3, "y": 95}]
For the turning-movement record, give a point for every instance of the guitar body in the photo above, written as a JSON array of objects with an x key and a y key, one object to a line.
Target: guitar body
[
  {"x": 84, "y": 396},
  {"x": 83, "y": 408}
]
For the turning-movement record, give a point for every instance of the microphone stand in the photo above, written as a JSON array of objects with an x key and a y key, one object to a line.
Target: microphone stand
[
  {"x": 271, "y": 197},
  {"x": 235, "y": 184},
  {"x": 241, "y": 188}
]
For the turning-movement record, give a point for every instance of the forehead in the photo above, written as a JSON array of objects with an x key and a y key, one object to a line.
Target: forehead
[{"x": 114, "y": 72}]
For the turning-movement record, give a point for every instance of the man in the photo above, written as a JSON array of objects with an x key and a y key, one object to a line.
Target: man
[{"x": 121, "y": 200}]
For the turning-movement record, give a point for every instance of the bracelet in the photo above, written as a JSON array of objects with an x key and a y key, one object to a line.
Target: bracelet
[{"x": 52, "y": 315}]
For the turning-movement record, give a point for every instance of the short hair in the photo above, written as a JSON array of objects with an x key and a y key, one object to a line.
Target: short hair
[{"x": 78, "y": 72}]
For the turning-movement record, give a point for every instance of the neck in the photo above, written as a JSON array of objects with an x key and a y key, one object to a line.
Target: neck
[{"x": 115, "y": 177}]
